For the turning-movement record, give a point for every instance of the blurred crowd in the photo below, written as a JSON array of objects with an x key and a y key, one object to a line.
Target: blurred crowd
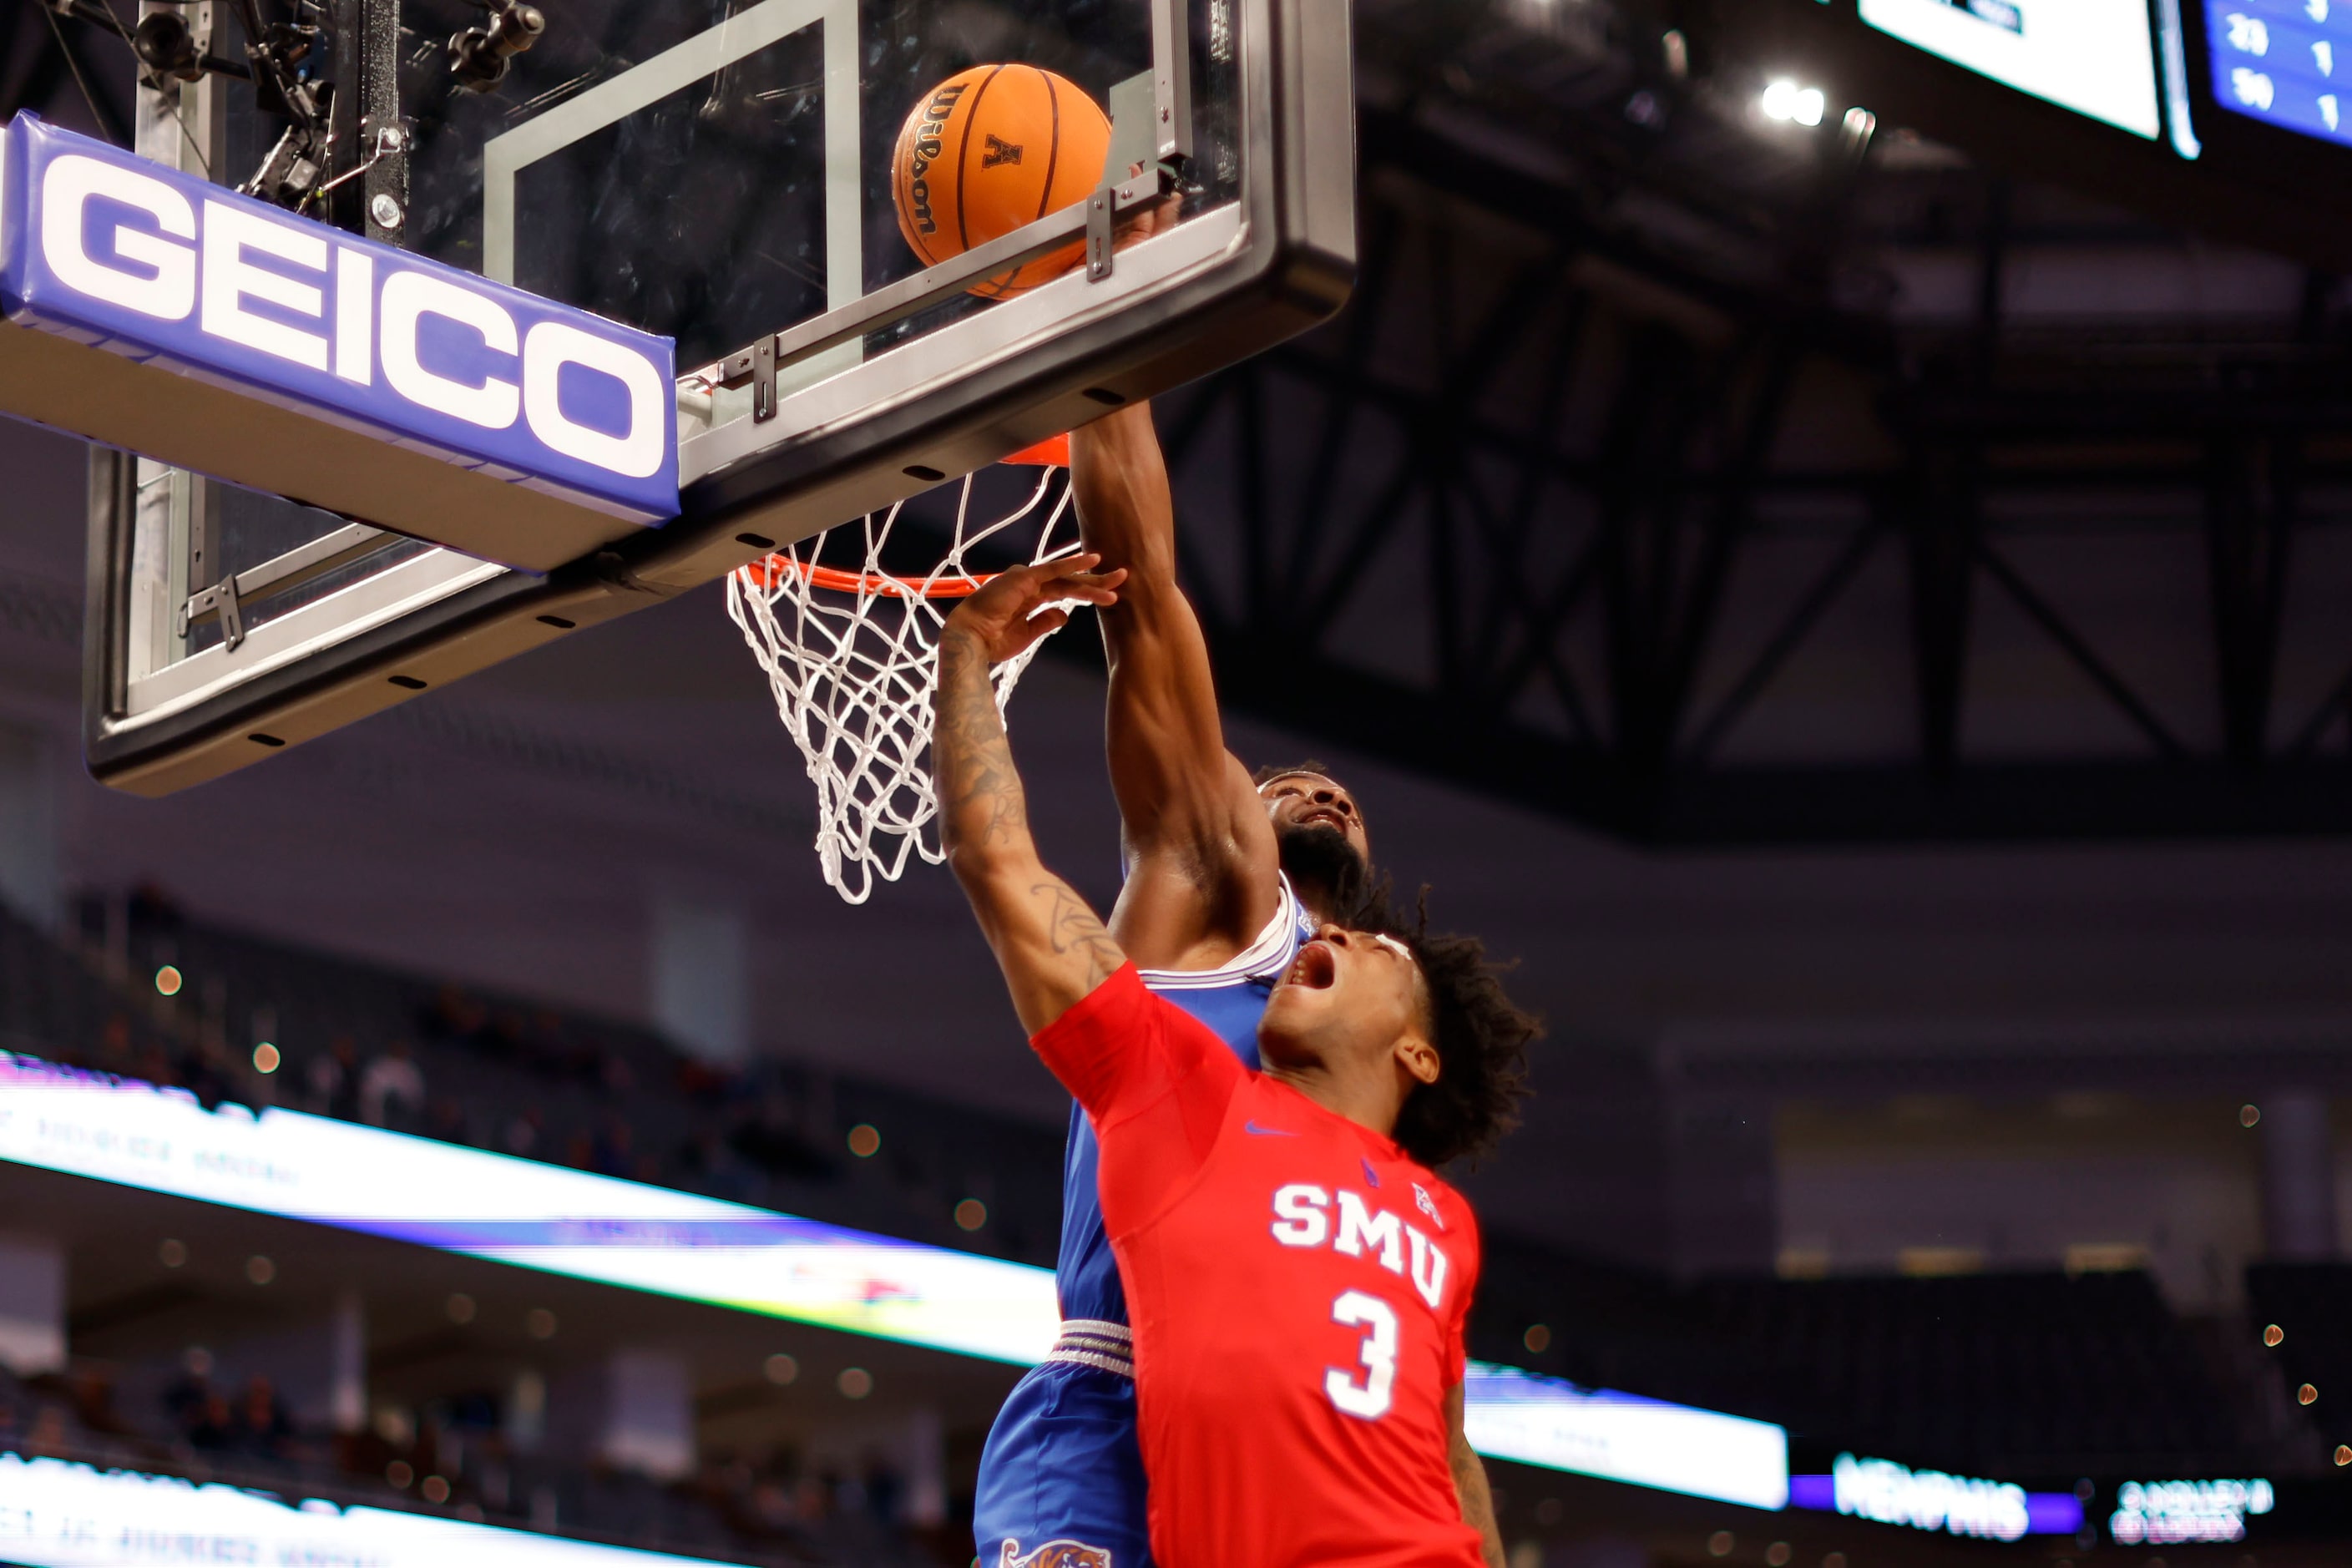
[
  {"x": 135, "y": 989},
  {"x": 139, "y": 990},
  {"x": 763, "y": 1509}
]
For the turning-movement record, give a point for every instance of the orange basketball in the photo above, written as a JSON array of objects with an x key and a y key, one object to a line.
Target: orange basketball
[{"x": 991, "y": 149}]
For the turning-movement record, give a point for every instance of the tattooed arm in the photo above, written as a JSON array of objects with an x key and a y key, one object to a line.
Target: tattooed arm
[
  {"x": 1050, "y": 945},
  {"x": 1470, "y": 1487}
]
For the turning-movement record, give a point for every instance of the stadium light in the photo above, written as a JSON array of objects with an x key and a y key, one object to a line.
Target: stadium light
[{"x": 1785, "y": 101}]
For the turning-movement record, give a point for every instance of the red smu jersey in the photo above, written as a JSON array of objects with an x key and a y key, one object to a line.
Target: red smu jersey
[{"x": 1298, "y": 1289}]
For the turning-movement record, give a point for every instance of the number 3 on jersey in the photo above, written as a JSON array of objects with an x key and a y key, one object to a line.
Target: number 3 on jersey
[{"x": 1368, "y": 1400}]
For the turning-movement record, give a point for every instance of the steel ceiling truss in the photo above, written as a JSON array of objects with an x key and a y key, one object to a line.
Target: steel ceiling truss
[{"x": 1475, "y": 567}]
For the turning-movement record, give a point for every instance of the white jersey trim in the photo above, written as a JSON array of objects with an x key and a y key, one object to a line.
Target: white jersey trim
[
  {"x": 1090, "y": 1341},
  {"x": 1099, "y": 1329},
  {"x": 1264, "y": 959}
]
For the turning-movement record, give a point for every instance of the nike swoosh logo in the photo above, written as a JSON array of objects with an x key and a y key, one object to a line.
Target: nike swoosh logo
[{"x": 1254, "y": 1131}]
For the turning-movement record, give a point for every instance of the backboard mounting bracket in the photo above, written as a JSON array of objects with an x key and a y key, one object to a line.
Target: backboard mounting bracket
[
  {"x": 763, "y": 380},
  {"x": 911, "y": 296},
  {"x": 1099, "y": 233},
  {"x": 279, "y": 574},
  {"x": 1172, "y": 82},
  {"x": 220, "y": 599}
]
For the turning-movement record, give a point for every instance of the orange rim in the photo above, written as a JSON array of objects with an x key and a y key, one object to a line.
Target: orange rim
[
  {"x": 1054, "y": 452},
  {"x": 767, "y": 574}
]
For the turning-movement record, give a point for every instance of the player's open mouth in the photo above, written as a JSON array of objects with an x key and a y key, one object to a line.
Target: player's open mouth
[
  {"x": 1323, "y": 815},
  {"x": 1315, "y": 967}
]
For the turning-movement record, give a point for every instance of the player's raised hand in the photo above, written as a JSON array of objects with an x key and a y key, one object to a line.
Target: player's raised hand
[{"x": 1015, "y": 608}]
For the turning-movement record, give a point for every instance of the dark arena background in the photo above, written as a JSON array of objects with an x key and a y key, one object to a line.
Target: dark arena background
[{"x": 1824, "y": 531}]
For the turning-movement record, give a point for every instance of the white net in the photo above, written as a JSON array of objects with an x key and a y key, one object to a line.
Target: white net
[{"x": 852, "y": 657}]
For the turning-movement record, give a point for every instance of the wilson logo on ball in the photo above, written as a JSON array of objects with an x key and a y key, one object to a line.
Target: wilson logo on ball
[
  {"x": 988, "y": 150},
  {"x": 925, "y": 136}
]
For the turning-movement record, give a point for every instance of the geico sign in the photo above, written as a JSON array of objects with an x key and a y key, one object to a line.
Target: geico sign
[{"x": 164, "y": 265}]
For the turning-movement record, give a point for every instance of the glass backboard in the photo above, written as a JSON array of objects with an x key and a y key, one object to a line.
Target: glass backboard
[{"x": 728, "y": 174}]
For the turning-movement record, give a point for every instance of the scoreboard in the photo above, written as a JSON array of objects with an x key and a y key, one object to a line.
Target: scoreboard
[
  {"x": 2284, "y": 62},
  {"x": 2096, "y": 58},
  {"x": 2231, "y": 117}
]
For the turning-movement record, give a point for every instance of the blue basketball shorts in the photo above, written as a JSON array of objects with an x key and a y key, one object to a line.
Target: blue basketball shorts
[{"x": 1061, "y": 1481}]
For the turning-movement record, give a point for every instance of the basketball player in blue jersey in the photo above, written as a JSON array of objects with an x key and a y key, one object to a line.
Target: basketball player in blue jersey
[{"x": 1226, "y": 875}]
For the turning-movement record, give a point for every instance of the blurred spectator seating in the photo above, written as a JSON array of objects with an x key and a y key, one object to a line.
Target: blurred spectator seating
[
  {"x": 435, "y": 1059},
  {"x": 2001, "y": 1374},
  {"x": 771, "y": 1511}
]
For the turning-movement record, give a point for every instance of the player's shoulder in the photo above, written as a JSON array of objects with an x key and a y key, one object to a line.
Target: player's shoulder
[
  {"x": 1436, "y": 1201},
  {"x": 1118, "y": 1005},
  {"x": 1186, "y": 1036}
]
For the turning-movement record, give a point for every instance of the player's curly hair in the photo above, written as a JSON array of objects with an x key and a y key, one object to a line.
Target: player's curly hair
[
  {"x": 1268, "y": 773},
  {"x": 1481, "y": 1036}
]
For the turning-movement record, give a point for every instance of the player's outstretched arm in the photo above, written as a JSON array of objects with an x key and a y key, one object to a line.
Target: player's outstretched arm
[
  {"x": 1202, "y": 855},
  {"x": 1052, "y": 948},
  {"x": 1470, "y": 1482}
]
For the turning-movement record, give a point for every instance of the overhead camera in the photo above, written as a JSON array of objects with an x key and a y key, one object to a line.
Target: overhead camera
[
  {"x": 284, "y": 84},
  {"x": 166, "y": 46},
  {"x": 479, "y": 56}
]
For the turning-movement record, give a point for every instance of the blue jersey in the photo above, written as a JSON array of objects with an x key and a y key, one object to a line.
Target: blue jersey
[
  {"x": 1230, "y": 1000},
  {"x": 1061, "y": 1481}
]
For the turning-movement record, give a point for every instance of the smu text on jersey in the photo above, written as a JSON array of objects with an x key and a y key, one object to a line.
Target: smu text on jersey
[{"x": 1307, "y": 1216}]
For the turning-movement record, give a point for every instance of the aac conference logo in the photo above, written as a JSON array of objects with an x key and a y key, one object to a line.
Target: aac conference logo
[{"x": 107, "y": 247}]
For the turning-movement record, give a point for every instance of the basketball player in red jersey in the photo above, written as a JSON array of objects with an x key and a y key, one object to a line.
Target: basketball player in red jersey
[
  {"x": 1227, "y": 878},
  {"x": 1298, "y": 1278}
]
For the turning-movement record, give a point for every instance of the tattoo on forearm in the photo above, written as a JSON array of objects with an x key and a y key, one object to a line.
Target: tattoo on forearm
[
  {"x": 981, "y": 799},
  {"x": 981, "y": 805},
  {"x": 1072, "y": 927}
]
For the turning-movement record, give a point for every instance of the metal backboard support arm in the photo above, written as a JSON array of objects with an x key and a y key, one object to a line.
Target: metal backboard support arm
[
  {"x": 1171, "y": 81},
  {"x": 383, "y": 135},
  {"x": 912, "y": 296},
  {"x": 370, "y": 153}
]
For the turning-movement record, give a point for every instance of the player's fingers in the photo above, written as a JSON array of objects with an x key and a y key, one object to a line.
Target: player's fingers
[
  {"x": 1031, "y": 631},
  {"x": 1094, "y": 587},
  {"x": 1066, "y": 566}
]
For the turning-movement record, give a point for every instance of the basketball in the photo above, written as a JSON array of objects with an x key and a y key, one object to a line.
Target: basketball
[{"x": 988, "y": 150}]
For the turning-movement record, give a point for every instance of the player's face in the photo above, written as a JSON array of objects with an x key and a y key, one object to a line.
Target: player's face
[
  {"x": 1311, "y": 800},
  {"x": 1349, "y": 1000}
]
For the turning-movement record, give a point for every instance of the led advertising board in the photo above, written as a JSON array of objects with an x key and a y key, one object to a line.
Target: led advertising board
[
  {"x": 107, "y": 247},
  {"x": 54, "y": 1514},
  {"x": 2167, "y": 1513},
  {"x": 1514, "y": 1414},
  {"x": 220, "y": 309},
  {"x": 2094, "y": 56},
  {"x": 2287, "y": 63},
  {"x": 1888, "y": 1493},
  {"x": 543, "y": 1216},
  {"x": 655, "y": 1239}
]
